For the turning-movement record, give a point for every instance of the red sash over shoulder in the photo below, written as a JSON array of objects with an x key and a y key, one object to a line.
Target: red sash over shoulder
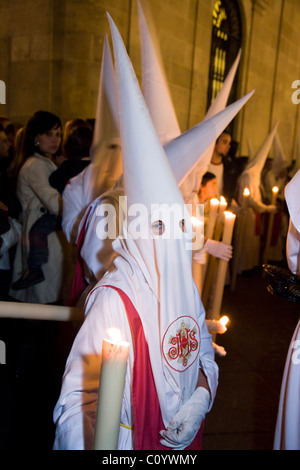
[{"x": 146, "y": 410}]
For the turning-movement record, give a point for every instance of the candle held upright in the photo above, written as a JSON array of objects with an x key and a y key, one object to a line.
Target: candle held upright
[{"x": 111, "y": 391}]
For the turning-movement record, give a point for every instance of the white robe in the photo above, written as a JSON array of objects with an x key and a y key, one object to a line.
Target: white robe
[
  {"x": 287, "y": 432},
  {"x": 75, "y": 410}
]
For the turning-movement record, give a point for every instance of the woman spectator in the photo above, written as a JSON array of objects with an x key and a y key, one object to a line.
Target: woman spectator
[{"x": 42, "y": 141}]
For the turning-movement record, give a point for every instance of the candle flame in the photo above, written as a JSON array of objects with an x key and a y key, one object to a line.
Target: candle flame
[
  {"x": 114, "y": 335},
  {"x": 223, "y": 201},
  {"x": 246, "y": 192},
  {"x": 196, "y": 222},
  {"x": 229, "y": 215},
  {"x": 275, "y": 189},
  {"x": 214, "y": 202},
  {"x": 224, "y": 320}
]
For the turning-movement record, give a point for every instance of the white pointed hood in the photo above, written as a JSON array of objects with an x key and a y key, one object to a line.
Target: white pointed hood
[
  {"x": 250, "y": 177},
  {"x": 154, "y": 82},
  {"x": 190, "y": 149},
  {"x": 218, "y": 105},
  {"x": 163, "y": 261},
  {"x": 105, "y": 152},
  {"x": 292, "y": 197},
  {"x": 279, "y": 162}
]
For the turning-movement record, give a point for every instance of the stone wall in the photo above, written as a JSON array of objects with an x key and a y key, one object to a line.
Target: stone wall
[{"x": 50, "y": 57}]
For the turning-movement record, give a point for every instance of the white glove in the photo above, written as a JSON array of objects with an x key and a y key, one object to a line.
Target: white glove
[
  {"x": 219, "y": 350},
  {"x": 200, "y": 256},
  {"x": 218, "y": 249},
  {"x": 186, "y": 423}
]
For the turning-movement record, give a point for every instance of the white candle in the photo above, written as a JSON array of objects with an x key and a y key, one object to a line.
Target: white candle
[
  {"x": 246, "y": 194},
  {"x": 275, "y": 190},
  {"x": 222, "y": 268},
  {"x": 111, "y": 391},
  {"x": 197, "y": 245},
  {"x": 213, "y": 209}
]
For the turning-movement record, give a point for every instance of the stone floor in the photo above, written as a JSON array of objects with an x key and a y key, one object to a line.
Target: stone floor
[{"x": 261, "y": 326}]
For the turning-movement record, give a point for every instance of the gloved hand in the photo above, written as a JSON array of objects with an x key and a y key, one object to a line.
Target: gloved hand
[
  {"x": 200, "y": 256},
  {"x": 272, "y": 208},
  {"x": 218, "y": 249},
  {"x": 187, "y": 421}
]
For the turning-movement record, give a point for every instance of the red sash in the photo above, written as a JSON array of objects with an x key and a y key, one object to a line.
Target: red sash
[{"x": 146, "y": 410}]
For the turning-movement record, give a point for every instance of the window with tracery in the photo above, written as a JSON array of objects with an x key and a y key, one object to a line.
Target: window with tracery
[{"x": 225, "y": 44}]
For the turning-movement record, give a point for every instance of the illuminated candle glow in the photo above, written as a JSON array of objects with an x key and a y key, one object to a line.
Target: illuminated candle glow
[
  {"x": 213, "y": 209},
  {"x": 246, "y": 194},
  {"x": 222, "y": 268},
  {"x": 275, "y": 190},
  {"x": 223, "y": 204},
  {"x": 111, "y": 390}
]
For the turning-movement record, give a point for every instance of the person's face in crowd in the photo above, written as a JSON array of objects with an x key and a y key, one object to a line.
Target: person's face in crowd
[
  {"x": 223, "y": 144},
  {"x": 4, "y": 145},
  {"x": 49, "y": 141},
  {"x": 209, "y": 190}
]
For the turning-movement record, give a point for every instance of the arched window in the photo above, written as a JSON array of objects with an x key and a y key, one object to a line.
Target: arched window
[{"x": 225, "y": 44}]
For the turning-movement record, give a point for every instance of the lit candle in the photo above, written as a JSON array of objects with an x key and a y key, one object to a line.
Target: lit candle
[
  {"x": 111, "y": 390},
  {"x": 275, "y": 190},
  {"x": 222, "y": 267},
  {"x": 213, "y": 209},
  {"x": 223, "y": 204},
  {"x": 246, "y": 194}
]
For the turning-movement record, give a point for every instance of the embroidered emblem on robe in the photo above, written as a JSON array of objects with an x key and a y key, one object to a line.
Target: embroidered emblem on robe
[{"x": 181, "y": 343}]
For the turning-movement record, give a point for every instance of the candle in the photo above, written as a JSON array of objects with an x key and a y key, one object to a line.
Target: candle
[
  {"x": 246, "y": 194},
  {"x": 213, "y": 209},
  {"x": 222, "y": 267},
  {"x": 275, "y": 190},
  {"x": 197, "y": 245},
  {"x": 223, "y": 204},
  {"x": 111, "y": 389}
]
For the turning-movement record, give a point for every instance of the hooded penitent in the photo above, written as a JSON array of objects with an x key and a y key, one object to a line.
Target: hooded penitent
[
  {"x": 106, "y": 165},
  {"x": 194, "y": 178},
  {"x": 154, "y": 82},
  {"x": 106, "y": 150},
  {"x": 163, "y": 260},
  {"x": 250, "y": 178}
]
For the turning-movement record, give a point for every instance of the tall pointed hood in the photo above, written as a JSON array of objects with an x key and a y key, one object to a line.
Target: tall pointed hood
[
  {"x": 250, "y": 177},
  {"x": 218, "y": 105},
  {"x": 105, "y": 151},
  {"x": 164, "y": 262},
  {"x": 295, "y": 158},
  {"x": 257, "y": 163},
  {"x": 154, "y": 82},
  {"x": 191, "y": 149}
]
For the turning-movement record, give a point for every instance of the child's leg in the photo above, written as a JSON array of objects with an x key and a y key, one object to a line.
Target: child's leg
[{"x": 38, "y": 239}]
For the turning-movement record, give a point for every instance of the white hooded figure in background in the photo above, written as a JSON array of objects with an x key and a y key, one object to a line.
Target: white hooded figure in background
[
  {"x": 251, "y": 179},
  {"x": 185, "y": 152},
  {"x": 287, "y": 432},
  {"x": 106, "y": 160},
  {"x": 151, "y": 281}
]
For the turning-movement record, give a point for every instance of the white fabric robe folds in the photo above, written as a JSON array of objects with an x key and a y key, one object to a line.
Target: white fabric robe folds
[{"x": 75, "y": 410}]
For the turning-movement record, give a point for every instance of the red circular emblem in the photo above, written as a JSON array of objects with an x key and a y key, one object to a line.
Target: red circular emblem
[{"x": 181, "y": 343}]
